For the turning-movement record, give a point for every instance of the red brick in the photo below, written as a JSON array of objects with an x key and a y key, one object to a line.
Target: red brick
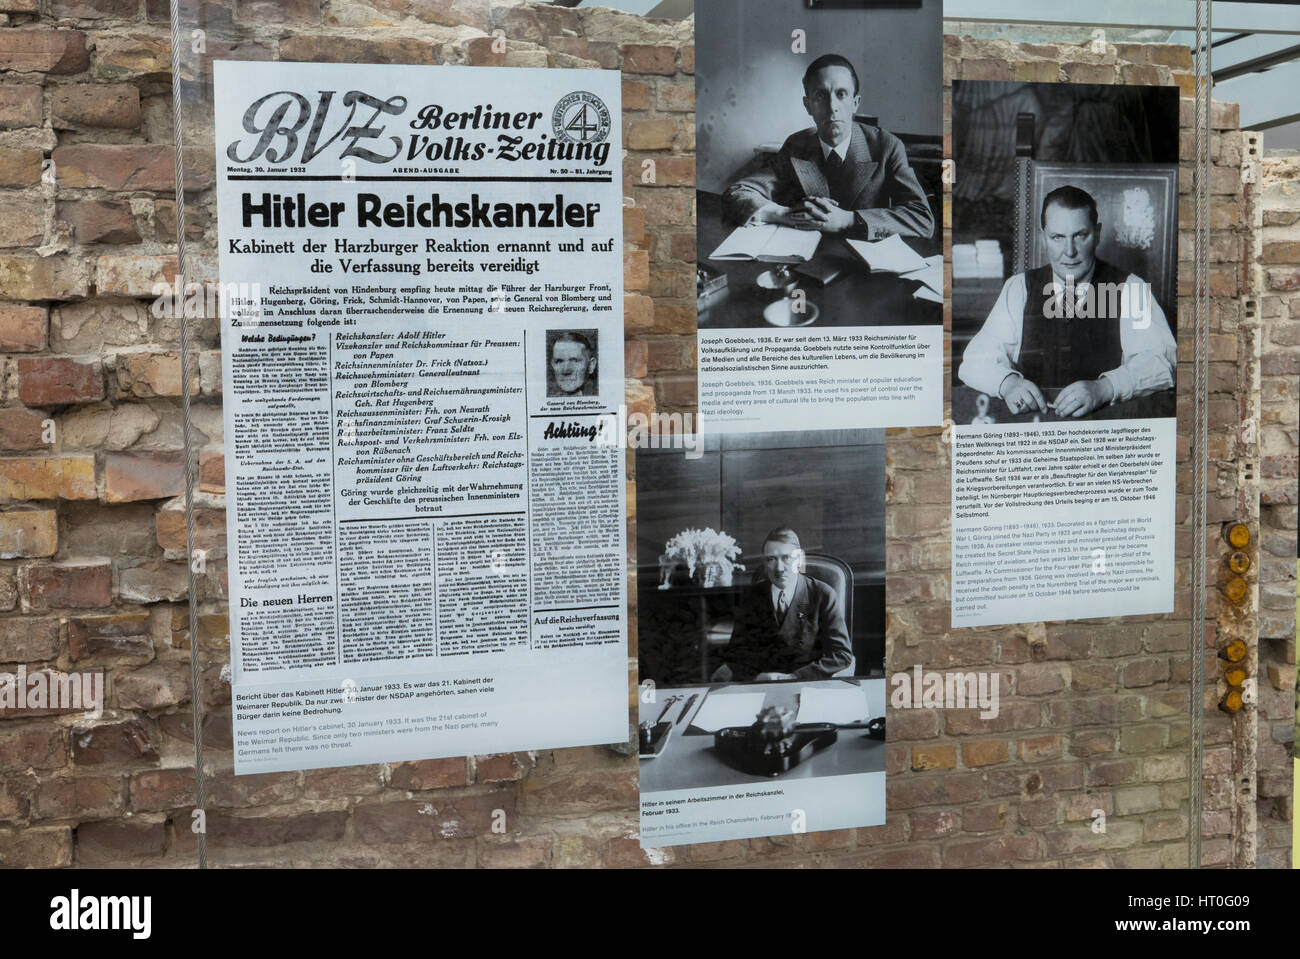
[
  {"x": 77, "y": 105},
  {"x": 934, "y": 824},
  {"x": 648, "y": 58},
  {"x": 28, "y": 534},
  {"x": 95, "y": 9},
  {"x": 162, "y": 790},
  {"x": 501, "y": 767},
  {"x": 155, "y": 686},
  {"x": 116, "y": 166},
  {"x": 676, "y": 97},
  {"x": 70, "y": 585},
  {"x": 624, "y": 851},
  {"x": 36, "y": 848},
  {"x": 527, "y": 852},
  {"x": 977, "y": 69},
  {"x": 655, "y": 134},
  {"x": 82, "y": 798},
  {"x": 984, "y": 852},
  {"x": 22, "y": 222},
  {"x": 118, "y": 841},
  {"x": 59, "y": 52},
  {"x": 946, "y": 789},
  {"x": 1287, "y": 279},
  {"x": 1039, "y": 748},
  {"x": 340, "y": 780},
  {"x": 123, "y": 635},
  {"x": 420, "y": 820},
  {"x": 130, "y": 741},
  {"x": 224, "y": 789},
  {"x": 938, "y": 756},
  {"x": 659, "y": 171},
  {"x": 22, "y": 429},
  {"x": 212, "y": 471},
  {"x": 20, "y": 106},
  {"x": 636, "y": 269},
  {"x": 23, "y": 328},
  {"x": 97, "y": 221},
  {"x": 20, "y": 166},
  {"x": 34, "y": 744},
  {"x": 55, "y": 381},
  {"x": 578, "y": 790},
  {"x": 906, "y": 858},
  {"x": 133, "y": 274},
  {"x": 334, "y": 49},
  {"x": 28, "y": 640},
  {"x": 429, "y": 774},
  {"x": 42, "y": 277},
  {"x": 636, "y": 95},
  {"x": 987, "y": 753},
  {"x": 130, "y": 477},
  {"x": 209, "y": 528},
  {"x": 54, "y": 477},
  {"x": 1089, "y": 73}
]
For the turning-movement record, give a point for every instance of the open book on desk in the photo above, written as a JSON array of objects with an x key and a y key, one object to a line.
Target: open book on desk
[{"x": 770, "y": 243}]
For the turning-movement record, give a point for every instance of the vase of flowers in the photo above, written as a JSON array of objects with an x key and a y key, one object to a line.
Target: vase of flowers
[{"x": 709, "y": 557}]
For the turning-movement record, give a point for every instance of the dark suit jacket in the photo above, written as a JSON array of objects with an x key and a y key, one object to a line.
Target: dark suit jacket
[
  {"x": 888, "y": 197},
  {"x": 811, "y": 642}
]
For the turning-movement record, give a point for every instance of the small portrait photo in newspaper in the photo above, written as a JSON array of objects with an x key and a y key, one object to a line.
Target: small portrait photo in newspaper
[
  {"x": 1065, "y": 219},
  {"x": 760, "y": 592},
  {"x": 572, "y": 363},
  {"x": 819, "y": 170}
]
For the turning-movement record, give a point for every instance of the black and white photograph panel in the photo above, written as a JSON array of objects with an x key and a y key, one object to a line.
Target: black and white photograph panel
[
  {"x": 1065, "y": 252},
  {"x": 819, "y": 163},
  {"x": 762, "y": 558},
  {"x": 572, "y": 367},
  {"x": 708, "y": 736}
]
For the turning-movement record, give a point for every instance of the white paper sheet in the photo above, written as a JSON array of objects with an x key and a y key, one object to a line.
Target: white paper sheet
[
  {"x": 721, "y": 710},
  {"x": 832, "y": 704},
  {"x": 931, "y": 274},
  {"x": 890, "y": 255}
]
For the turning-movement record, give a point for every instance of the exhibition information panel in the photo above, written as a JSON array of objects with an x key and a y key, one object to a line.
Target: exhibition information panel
[{"x": 422, "y": 361}]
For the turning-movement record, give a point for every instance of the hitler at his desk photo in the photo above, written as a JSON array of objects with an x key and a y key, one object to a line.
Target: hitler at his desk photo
[{"x": 787, "y": 625}]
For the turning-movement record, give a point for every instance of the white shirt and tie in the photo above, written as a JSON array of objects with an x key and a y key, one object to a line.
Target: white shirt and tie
[{"x": 1150, "y": 353}]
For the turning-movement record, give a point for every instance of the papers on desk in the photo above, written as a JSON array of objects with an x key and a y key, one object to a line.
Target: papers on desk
[
  {"x": 841, "y": 704},
  {"x": 890, "y": 255},
  {"x": 728, "y": 709},
  {"x": 770, "y": 243},
  {"x": 930, "y": 277},
  {"x": 983, "y": 258}
]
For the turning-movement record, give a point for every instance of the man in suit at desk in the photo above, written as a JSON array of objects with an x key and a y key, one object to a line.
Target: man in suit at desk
[
  {"x": 788, "y": 626},
  {"x": 840, "y": 177},
  {"x": 1075, "y": 324}
]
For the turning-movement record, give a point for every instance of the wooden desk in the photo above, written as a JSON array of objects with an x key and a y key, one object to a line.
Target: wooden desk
[
  {"x": 855, "y": 298},
  {"x": 964, "y": 409},
  {"x": 689, "y": 760}
]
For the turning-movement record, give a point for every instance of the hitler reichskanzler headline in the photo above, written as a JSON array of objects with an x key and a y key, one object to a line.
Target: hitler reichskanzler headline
[{"x": 295, "y": 211}]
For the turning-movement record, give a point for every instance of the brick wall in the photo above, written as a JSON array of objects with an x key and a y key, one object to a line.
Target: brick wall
[
  {"x": 1275, "y": 280},
  {"x": 92, "y": 571}
]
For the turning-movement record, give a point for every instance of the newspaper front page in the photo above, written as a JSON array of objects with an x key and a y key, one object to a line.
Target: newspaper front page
[{"x": 422, "y": 329}]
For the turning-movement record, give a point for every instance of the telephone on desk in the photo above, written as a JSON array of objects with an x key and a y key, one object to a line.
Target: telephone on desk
[{"x": 775, "y": 743}]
